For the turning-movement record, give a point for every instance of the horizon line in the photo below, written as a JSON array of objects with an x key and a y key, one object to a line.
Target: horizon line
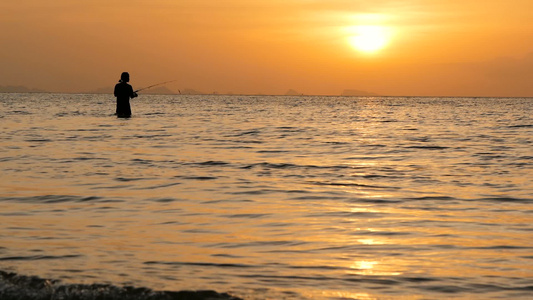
[{"x": 271, "y": 95}]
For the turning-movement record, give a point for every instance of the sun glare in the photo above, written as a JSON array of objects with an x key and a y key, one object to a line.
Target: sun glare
[{"x": 368, "y": 38}]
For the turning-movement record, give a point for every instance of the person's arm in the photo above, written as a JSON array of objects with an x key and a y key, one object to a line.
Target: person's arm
[{"x": 133, "y": 94}]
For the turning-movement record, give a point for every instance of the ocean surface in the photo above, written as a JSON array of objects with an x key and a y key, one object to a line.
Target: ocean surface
[{"x": 270, "y": 197}]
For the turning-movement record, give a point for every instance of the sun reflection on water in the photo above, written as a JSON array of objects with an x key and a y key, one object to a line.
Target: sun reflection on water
[
  {"x": 372, "y": 267},
  {"x": 370, "y": 242}
]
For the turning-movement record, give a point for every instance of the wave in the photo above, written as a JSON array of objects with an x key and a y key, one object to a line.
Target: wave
[
  {"x": 38, "y": 257},
  {"x": 50, "y": 199},
  {"x": 16, "y": 287}
]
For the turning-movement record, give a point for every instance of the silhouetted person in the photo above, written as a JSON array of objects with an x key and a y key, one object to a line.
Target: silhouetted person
[{"x": 123, "y": 92}]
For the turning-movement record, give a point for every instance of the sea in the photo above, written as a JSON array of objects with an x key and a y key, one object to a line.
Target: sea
[{"x": 267, "y": 197}]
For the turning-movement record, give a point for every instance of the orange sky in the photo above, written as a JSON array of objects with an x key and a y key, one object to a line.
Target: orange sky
[{"x": 437, "y": 47}]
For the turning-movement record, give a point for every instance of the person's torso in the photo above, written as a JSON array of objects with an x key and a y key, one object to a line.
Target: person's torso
[{"x": 123, "y": 90}]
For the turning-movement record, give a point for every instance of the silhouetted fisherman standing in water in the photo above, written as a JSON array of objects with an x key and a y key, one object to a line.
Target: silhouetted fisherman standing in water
[{"x": 123, "y": 92}]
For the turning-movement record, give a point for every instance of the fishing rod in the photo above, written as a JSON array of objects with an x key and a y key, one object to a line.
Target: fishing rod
[{"x": 151, "y": 86}]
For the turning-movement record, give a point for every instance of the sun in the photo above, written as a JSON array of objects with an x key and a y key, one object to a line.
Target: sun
[{"x": 369, "y": 38}]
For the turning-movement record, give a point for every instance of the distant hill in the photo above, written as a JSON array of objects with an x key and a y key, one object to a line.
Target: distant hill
[
  {"x": 161, "y": 90},
  {"x": 190, "y": 92},
  {"x": 19, "y": 89},
  {"x": 102, "y": 90},
  {"x": 358, "y": 93},
  {"x": 292, "y": 92}
]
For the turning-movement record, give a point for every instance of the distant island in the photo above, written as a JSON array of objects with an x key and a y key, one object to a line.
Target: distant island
[
  {"x": 292, "y": 92},
  {"x": 19, "y": 89},
  {"x": 358, "y": 93},
  {"x": 162, "y": 90},
  {"x": 156, "y": 90}
]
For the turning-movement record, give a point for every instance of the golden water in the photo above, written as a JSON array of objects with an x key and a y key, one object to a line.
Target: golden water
[{"x": 271, "y": 197}]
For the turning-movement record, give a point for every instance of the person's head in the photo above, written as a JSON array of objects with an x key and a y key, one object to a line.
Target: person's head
[{"x": 124, "y": 77}]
